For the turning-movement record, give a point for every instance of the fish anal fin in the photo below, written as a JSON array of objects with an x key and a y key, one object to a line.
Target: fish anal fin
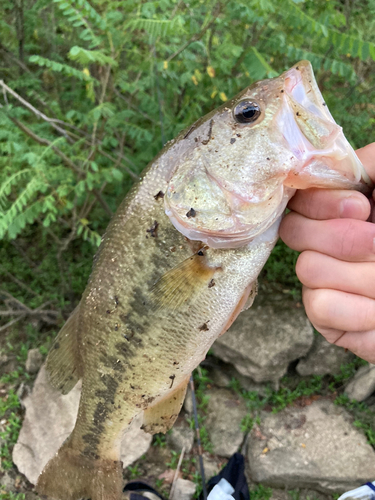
[
  {"x": 71, "y": 476},
  {"x": 182, "y": 283},
  {"x": 162, "y": 416},
  {"x": 64, "y": 366}
]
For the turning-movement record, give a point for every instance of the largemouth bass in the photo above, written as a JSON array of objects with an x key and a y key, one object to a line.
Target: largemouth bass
[{"x": 178, "y": 263}]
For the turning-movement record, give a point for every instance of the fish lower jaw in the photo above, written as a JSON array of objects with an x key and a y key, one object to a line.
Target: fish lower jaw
[{"x": 223, "y": 240}]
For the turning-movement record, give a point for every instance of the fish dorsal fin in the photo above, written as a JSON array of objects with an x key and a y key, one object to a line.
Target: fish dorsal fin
[
  {"x": 162, "y": 416},
  {"x": 63, "y": 365},
  {"x": 181, "y": 284}
]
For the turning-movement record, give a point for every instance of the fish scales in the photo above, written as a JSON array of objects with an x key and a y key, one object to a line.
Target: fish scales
[{"x": 178, "y": 263}]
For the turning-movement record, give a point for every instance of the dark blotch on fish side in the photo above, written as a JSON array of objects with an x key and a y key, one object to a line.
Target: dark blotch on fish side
[
  {"x": 172, "y": 377},
  {"x": 159, "y": 195},
  {"x": 191, "y": 213},
  {"x": 56, "y": 345},
  {"x": 211, "y": 283},
  {"x": 153, "y": 229},
  {"x": 233, "y": 140},
  {"x": 203, "y": 328},
  {"x": 107, "y": 395}
]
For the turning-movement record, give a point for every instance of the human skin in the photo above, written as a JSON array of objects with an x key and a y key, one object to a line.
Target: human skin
[{"x": 335, "y": 233}]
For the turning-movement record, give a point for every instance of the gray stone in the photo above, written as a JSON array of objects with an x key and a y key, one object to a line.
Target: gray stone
[
  {"x": 34, "y": 361},
  {"x": 223, "y": 375},
  {"x": 181, "y": 436},
  {"x": 49, "y": 420},
  {"x": 210, "y": 465},
  {"x": 323, "y": 358},
  {"x": 362, "y": 384},
  {"x": 7, "y": 482},
  {"x": 188, "y": 403},
  {"x": 265, "y": 339},
  {"x": 225, "y": 412},
  {"x": 314, "y": 447},
  {"x": 183, "y": 490}
]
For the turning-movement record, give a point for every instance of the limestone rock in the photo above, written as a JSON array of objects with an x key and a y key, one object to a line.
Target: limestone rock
[
  {"x": 181, "y": 436},
  {"x": 223, "y": 374},
  {"x": 314, "y": 447},
  {"x": 183, "y": 490},
  {"x": 34, "y": 361},
  {"x": 211, "y": 466},
  {"x": 49, "y": 420},
  {"x": 265, "y": 339},
  {"x": 362, "y": 384},
  {"x": 225, "y": 412},
  {"x": 323, "y": 358},
  {"x": 188, "y": 403}
]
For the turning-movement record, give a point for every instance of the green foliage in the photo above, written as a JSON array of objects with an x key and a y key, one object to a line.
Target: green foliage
[
  {"x": 134, "y": 471},
  {"x": 261, "y": 492},
  {"x": 11, "y": 495},
  {"x": 9, "y": 410},
  {"x": 109, "y": 82}
]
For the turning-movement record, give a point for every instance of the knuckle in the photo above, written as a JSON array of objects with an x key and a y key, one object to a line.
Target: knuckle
[
  {"x": 305, "y": 267},
  {"x": 317, "y": 306}
]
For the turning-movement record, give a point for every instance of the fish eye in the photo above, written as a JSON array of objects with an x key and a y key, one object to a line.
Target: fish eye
[{"x": 246, "y": 112}]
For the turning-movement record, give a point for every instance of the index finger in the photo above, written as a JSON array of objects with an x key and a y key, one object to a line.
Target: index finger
[{"x": 344, "y": 239}]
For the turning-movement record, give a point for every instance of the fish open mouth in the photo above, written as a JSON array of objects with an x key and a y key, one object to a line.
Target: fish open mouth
[{"x": 322, "y": 152}]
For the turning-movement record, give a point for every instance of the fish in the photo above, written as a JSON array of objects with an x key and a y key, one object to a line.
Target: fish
[{"x": 179, "y": 261}]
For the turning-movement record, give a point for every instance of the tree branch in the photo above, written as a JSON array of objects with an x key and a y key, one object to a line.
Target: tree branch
[
  {"x": 199, "y": 35},
  {"x": 34, "y": 110}
]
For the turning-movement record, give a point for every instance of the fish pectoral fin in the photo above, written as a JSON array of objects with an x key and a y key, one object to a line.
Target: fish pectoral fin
[
  {"x": 181, "y": 284},
  {"x": 162, "y": 416},
  {"x": 250, "y": 299},
  {"x": 63, "y": 365}
]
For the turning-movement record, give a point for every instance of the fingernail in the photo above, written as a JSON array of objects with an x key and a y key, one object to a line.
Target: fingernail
[{"x": 351, "y": 207}]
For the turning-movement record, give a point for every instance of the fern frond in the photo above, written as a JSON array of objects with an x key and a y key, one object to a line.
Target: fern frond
[
  {"x": 343, "y": 43},
  {"x": 319, "y": 61},
  {"x": 78, "y": 13},
  {"x": 155, "y": 27},
  {"x": 6, "y": 186},
  {"x": 86, "y": 57},
  {"x": 62, "y": 68},
  {"x": 8, "y": 218}
]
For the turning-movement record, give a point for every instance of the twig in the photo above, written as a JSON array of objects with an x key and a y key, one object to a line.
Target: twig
[
  {"x": 34, "y": 110},
  {"x": 17, "y": 281},
  {"x": 25, "y": 256},
  {"x": 199, "y": 35},
  {"x": 10, "y": 323},
  {"x": 67, "y": 161},
  {"x": 65, "y": 133},
  {"x": 176, "y": 473}
]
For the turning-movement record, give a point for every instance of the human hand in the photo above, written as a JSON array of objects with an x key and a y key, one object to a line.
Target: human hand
[{"x": 337, "y": 263}]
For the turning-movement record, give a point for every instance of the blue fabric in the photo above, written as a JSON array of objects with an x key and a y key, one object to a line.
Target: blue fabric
[{"x": 370, "y": 485}]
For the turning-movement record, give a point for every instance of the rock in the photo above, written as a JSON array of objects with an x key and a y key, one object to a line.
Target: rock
[
  {"x": 314, "y": 447},
  {"x": 188, "y": 403},
  {"x": 210, "y": 465},
  {"x": 362, "y": 384},
  {"x": 223, "y": 375},
  {"x": 265, "y": 339},
  {"x": 48, "y": 421},
  {"x": 181, "y": 436},
  {"x": 225, "y": 412},
  {"x": 7, "y": 482},
  {"x": 323, "y": 358},
  {"x": 183, "y": 490},
  {"x": 34, "y": 361}
]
